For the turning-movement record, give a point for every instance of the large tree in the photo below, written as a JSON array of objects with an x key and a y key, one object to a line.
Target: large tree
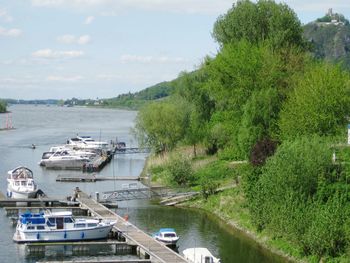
[
  {"x": 248, "y": 83},
  {"x": 255, "y": 22},
  {"x": 161, "y": 125}
]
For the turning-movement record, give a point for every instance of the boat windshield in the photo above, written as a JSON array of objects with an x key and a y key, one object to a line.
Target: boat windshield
[
  {"x": 169, "y": 235},
  {"x": 21, "y": 173}
]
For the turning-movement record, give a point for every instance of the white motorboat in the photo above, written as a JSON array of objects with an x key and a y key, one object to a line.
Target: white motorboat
[
  {"x": 199, "y": 255},
  {"x": 20, "y": 183},
  {"x": 59, "y": 226},
  {"x": 86, "y": 142},
  {"x": 67, "y": 149},
  {"x": 166, "y": 235},
  {"x": 63, "y": 160}
]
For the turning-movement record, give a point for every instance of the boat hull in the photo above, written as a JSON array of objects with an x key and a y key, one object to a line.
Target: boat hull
[
  {"x": 64, "y": 164},
  {"x": 168, "y": 242},
  {"x": 62, "y": 235},
  {"x": 20, "y": 195}
]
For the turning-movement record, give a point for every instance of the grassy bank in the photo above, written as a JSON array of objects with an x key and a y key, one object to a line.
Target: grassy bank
[{"x": 229, "y": 205}]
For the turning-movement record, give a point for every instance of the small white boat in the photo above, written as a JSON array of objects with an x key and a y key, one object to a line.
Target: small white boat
[
  {"x": 20, "y": 183},
  {"x": 199, "y": 255},
  {"x": 166, "y": 235},
  {"x": 59, "y": 226}
]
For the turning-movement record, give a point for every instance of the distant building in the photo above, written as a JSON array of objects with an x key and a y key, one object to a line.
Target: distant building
[{"x": 331, "y": 19}]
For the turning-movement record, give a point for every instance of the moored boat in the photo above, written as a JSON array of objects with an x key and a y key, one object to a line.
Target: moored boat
[
  {"x": 166, "y": 235},
  {"x": 20, "y": 183},
  {"x": 63, "y": 160},
  {"x": 199, "y": 255},
  {"x": 59, "y": 226},
  {"x": 86, "y": 142}
]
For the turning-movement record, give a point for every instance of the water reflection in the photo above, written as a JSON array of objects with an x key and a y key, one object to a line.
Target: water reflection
[{"x": 199, "y": 229}]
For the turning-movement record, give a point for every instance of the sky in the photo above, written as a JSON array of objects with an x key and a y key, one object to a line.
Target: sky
[{"x": 59, "y": 49}]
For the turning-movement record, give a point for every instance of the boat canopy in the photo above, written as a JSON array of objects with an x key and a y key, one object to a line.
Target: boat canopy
[
  {"x": 163, "y": 230},
  {"x": 35, "y": 219}
]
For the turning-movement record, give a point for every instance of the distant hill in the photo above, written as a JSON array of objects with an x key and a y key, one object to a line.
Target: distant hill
[
  {"x": 330, "y": 38},
  {"x": 136, "y": 100}
]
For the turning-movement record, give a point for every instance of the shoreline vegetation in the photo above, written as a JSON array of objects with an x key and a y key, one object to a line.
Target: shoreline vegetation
[
  {"x": 264, "y": 98},
  {"x": 3, "y": 107},
  {"x": 226, "y": 205}
]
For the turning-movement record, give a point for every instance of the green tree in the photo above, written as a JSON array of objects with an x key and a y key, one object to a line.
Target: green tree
[
  {"x": 259, "y": 119},
  {"x": 248, "y": 84},
  {"x": 256, "y": 22},
  {"x": 3, "y": 106},
  {"x": 189, "y": 87},
  {"x": 161, "y": 125},
  {"x": 319, "y": 103}
]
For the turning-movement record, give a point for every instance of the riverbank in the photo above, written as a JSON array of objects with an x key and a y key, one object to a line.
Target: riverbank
[{"x": 228, "y": 205}]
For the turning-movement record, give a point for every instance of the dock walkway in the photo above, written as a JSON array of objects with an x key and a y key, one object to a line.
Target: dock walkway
[
  {"x": 92, "y": 178},
  {"x": 157, "y": 251}
]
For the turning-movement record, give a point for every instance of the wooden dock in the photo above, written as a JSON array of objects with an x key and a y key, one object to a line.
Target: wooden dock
[
  {"x": 93, "y": 178},
  {"x": 34, "y": 202},
  {"x": 131, "y": 150},
  {"x": 146, "y": 245},
  {"x": 15, "y": 211},
  {"x": 117, "y": 246},
  {"x": 97, "y": 163},
  {"x": 44, "y": 202}
]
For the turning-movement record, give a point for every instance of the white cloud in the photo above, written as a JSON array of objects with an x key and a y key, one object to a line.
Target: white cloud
[
  {"x": 64, "y": 78},
  {"x": 5, "y": 16},
  {"x": 71, "y": 39},
  {"x": 89, "y": 20},
  {"x": 82, "y": 40},
  {"x": 150, "y": 59},
  {"x": 179, "y": 6},
  {"x": 52, "y": 54},
  {"x": 13, "y": 32}
]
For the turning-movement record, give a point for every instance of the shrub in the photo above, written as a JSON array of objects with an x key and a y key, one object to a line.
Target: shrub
[
  {"x": 180, "y": 170},
  {"x": 208, "y": 187},
  {"x": 261, "y": 151}
]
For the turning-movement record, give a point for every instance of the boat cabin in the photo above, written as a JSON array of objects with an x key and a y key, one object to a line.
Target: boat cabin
[{"x": 20, "y": 173}]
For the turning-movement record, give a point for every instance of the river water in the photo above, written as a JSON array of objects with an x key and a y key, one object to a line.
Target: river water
[{"x": 47, "y": 126}]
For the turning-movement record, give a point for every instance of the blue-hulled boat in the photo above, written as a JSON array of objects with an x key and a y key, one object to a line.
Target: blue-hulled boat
[{"x": 59, "y": 226}]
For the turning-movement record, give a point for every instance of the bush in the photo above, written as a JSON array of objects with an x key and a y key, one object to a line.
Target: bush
[
  {"x": 326, "y": 235},
  {"x": 261, "y": 151},
  {"x": 282, "y": 195},
  {"x": 208, "y": 187},
  {"x": 180, "y": 170}
]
